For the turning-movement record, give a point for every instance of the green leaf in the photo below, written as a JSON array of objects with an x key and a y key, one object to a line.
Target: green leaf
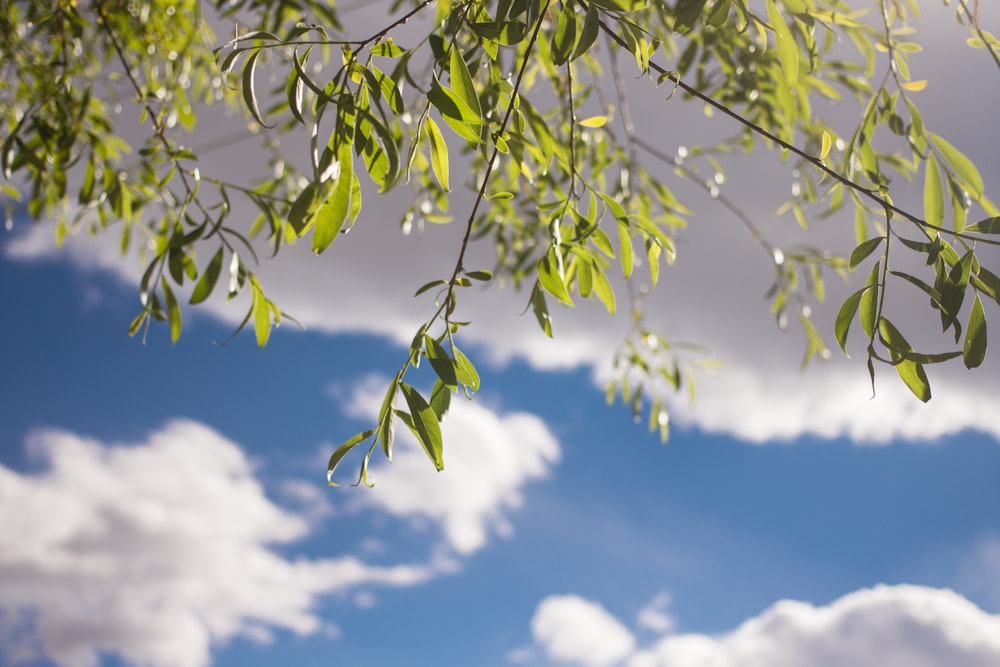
[
  {"x": 386, "y": 430},
  {"x": 974, "y": 346},
  {"x": 933, "y": 194},
  {"x": 249, "y": 94},
  {"x": 342, "y": 451},
  {"x": 564, "y": 37},
  {"x": 431, "y": 285},
  {"x": 456, "y": 113},
  {"x": 911, "y": 372},
  {"x": 482, "y": 275},
  {"x": 788, "y": 51},
  {"x": 987, "y": 226},
  {"x": 173, "y": 311},
  {"x": 961, "y": 165},
  {"x": 206, "y": 283},
  {"x": 440, "y": 362},
  {"x": 541, "y": 309},
  {"x": 869, "y": 301},
  {"x": 261, "y": 310},
  {"x": 866, "y": 248},
  {"x": 594, "y": 121},
  {"x": 603, "y": 290},
  {"x": 548, "y": 275},
  {"x": 461, "y": 82},
  {"x": 424, "y": 425},
  {"x": 465, "y": 372},
  {"x": 331, "y": 214},
  {"x": 687, "y": 13},
  {"x": 846, "y": 315},
  {"x": 439, "y": 153},
  {"x": 591, "y": 28},
  {"x": 915, "y": 379},
  {"x": 507, "y": 33},
  {"x": 625, "y": 248},
  {"x": 440, "y": 399},
  {"x": 825, "y": 145}
]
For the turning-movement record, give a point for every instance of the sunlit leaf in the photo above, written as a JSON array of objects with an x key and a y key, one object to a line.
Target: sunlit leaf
[
  {"x": 974, "y": 347},
  {"x": 439, "y": 153},
  {"x": 424, "y": 425}
]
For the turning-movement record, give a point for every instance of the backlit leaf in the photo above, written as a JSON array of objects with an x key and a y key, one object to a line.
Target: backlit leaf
[
  {"x": 974, "y": 346},
  {"x": 424, "y": 425}
]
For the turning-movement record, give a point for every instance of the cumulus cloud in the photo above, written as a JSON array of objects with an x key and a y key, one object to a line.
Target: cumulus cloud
[
  {"x": 884, "y": 626},
  {"x": 489, "y": 458},
  {"x": 155, "y": 551},
  {"x": 575, "y": 630}
]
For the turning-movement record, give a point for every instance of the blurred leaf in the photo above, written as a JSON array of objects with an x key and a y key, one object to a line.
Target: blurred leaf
[
  {"x": 203, "y": 288},
  {"x": 933, "y": 194},
  {"x": 788, "y": 51},
  {"x": 963, "y": 167}
]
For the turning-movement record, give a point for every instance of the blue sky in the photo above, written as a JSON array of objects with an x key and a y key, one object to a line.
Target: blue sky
[
  {"x": 720, "y": 528},
  {"x": 167, "y": 505}
]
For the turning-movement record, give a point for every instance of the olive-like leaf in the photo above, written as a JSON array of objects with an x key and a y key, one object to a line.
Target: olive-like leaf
[
  {"x": 440, "y": 361},
  {"x": 845, "y": 316},
  {"x": 974, "y": 346},
  {"x": 788, "y": 51},
  {"x": 963, "y": 167},
  {"x": 933, "y": 193},
  {"x": 424, "y": 424},
  {"x": 203, "y": 288},
  {"x": 439, "y": 153},
  {"x": 342, "y": 451},
  {"x": 249, "y": 94},
  {"x": 173, "y": 311},
  {"x": 864, "y": 249}
]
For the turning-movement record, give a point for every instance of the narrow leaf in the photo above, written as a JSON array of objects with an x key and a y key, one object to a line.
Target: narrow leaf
[
  {"x": 846, "y": 315},
  {"x": 439, "y": 153},
  {"x": 974, "y": 347},
  {"x": 866, "y": 248},
  {"x": 249, "y": 94},
  {"x": 424, "y": 424},
  {"x": 440, "y": 361},
  {"x": 342, "y": 451},
  {"x": 962, "y": 166},
  {"x": 173, "y": 311},
  {"x": 933, "y": 193},
  {"x": 987, "y": 226},
  {"x": 461, "y": 82},
  {"x": 465, "y": 371},
  {"x": 206, "y": 283},
  {"x": 332, "y": 213},
  {"x": 788, "y": 51}
]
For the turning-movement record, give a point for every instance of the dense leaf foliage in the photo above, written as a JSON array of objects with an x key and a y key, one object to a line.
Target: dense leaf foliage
[{"x": 529, "y": 95}]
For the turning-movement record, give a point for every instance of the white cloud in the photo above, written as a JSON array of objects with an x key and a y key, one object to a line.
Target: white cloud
[
  {"x": 155, "y": 551},
  {"x": 575, "y": 630},
  {"x": 884, "y": 626},
  {"x": 654, "y": 615},
  {"x": 488, "y": 456}
]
